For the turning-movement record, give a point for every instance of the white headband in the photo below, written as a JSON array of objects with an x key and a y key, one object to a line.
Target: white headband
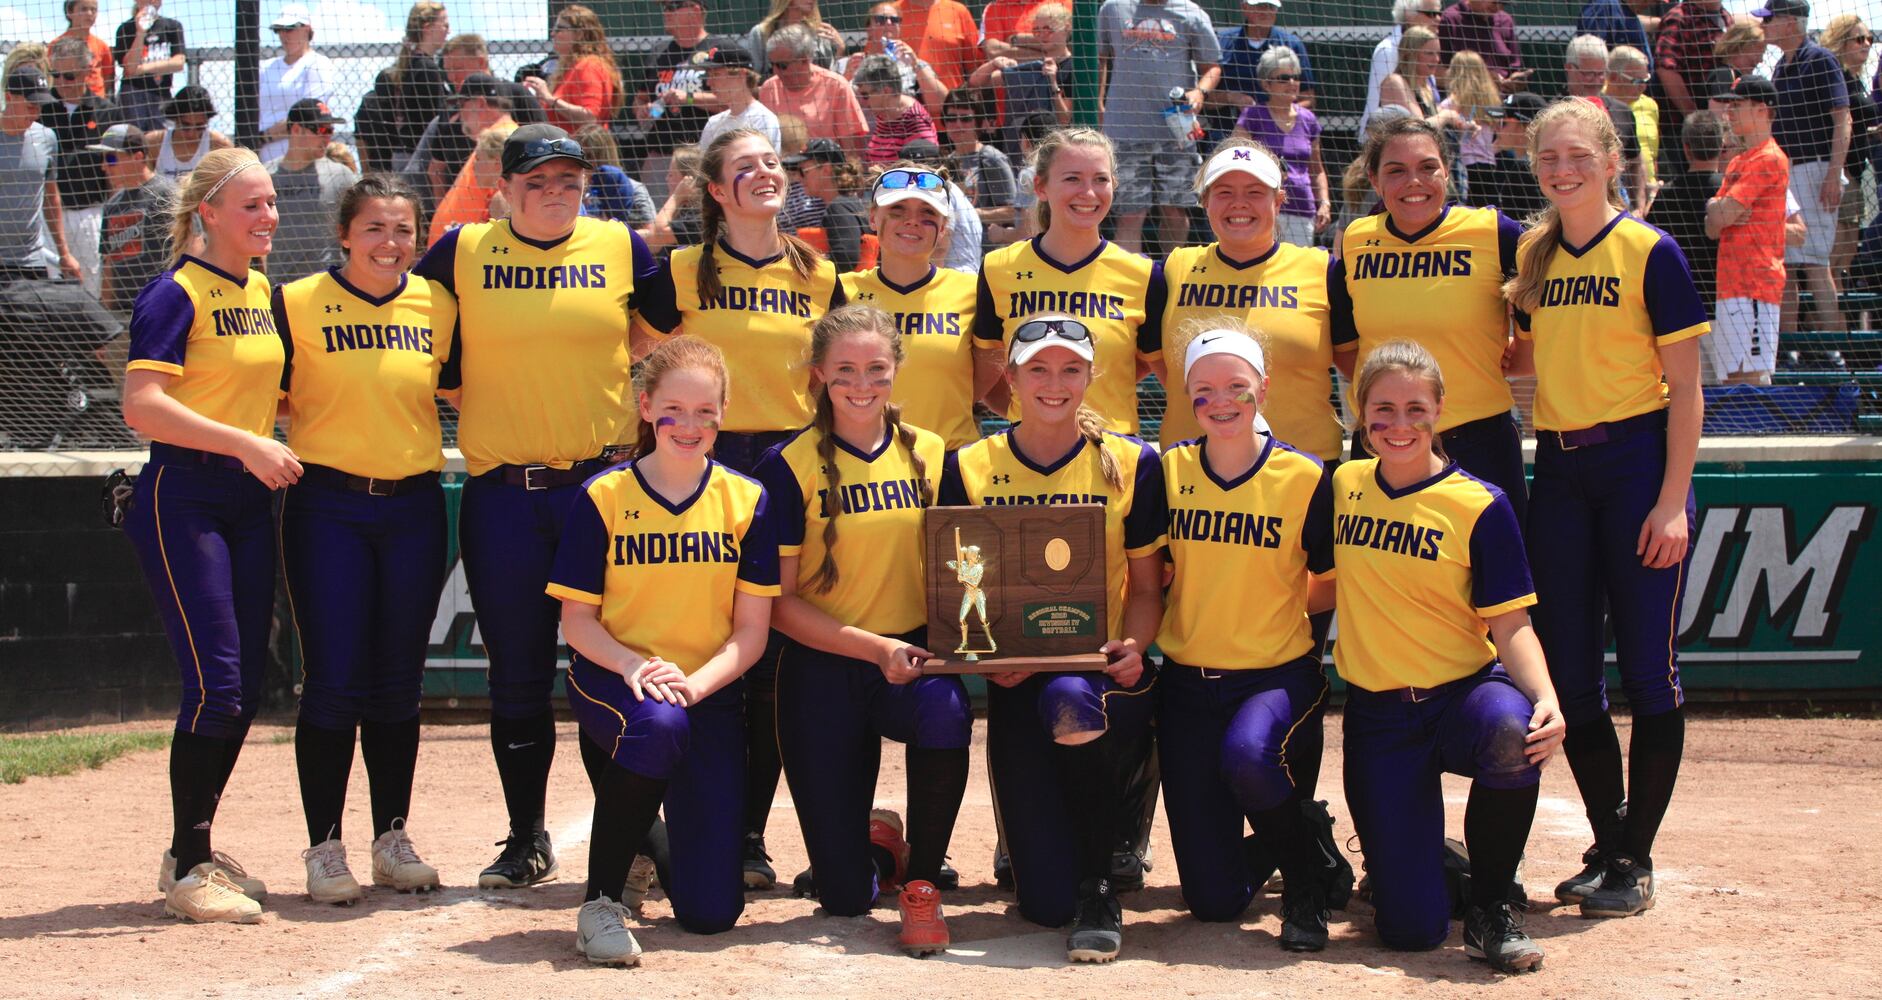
[
  {"x": 1224, "y": 342},
  {"x": 226, "y": 178}
]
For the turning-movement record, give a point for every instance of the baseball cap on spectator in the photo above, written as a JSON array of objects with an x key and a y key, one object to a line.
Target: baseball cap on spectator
[
  {"x": 1783, "y": 8},
  {"x": 478, "y": 85},
  {"x": 1751, "y": 88},
  {"x": 310, "y": 111},
  {"x": 1522, "y": 106},
  {"x": 28, "y": 82},
  {"x": 118, "y": 139},
  {"x": 730, "y": 56},
  {"x": 190, "y": 100},
  {"x": 821, "y": 150},
  {"x": 1276, "y": 4},
  {"x": 921, "y": 151},
  {"x": 1719, "y": 83},
  {"x": 531, "y": 146},
  {"x": 292, "y": 15}
]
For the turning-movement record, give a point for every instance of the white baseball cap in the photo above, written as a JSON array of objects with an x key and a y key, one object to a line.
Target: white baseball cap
[
  {"x": 1242, "y": 160},
  {"x": 1262, "y": 3},
  {"x": 292, "y": 15},
  {"x": 902, "y": 184},
  {"x": 1224, "y": 342},
  {"x": 1051, "y": 330}
]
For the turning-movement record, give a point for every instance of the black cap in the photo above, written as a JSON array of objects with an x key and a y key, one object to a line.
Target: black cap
[
  {"x": 310, "y": 111},
  {"x": 190, "y": 100},
  {"x": 27, "y": 81},
  {"x": 119, "y": 139},
  {"x": 1782, "y": 8},
  {"x": 531, "y": 146},
  {"x": 1522, "y": 106},
  {"x": 479, "y": 85},
  {"x": 1751, "y": 88},
  {"x": 1719, "y": 83},
  {"x": 821, "y": 150},
  {"x": 730, "y": 56},
  {"x": 921, "y": 151}
]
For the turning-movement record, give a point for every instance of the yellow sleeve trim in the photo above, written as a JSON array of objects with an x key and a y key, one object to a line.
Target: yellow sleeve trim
[
  {"x": 759, "y": 589},
  {"x": 1156, "y": 355},
  {"x": 1695, "y": 330},
  {"x": 1506, "y": 607},
  {"x": 1346, "y": 348},
  {"x": 790, "y": 550},
  {"x": 147, "y": 365},
  {"x": 1147, "y": 550},
  {"x": 650, "y": 330},
  {"x": 1522, "y": 334},
  {"x": 1328, "y": 575},
  {"x": 571, "y": 594}
]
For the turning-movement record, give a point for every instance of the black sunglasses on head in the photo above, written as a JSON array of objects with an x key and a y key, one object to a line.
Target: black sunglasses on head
[
  {"x": 538, "y": 148},
  {"x": 1040, "y": 329}
]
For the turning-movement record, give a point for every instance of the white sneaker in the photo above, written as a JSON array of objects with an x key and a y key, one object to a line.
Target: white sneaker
[
  {"x": 251, "y": 887},
  {"x": 601, "y": 934},
  {"x": 395, "y": 862},
  {"x": 329, "y": 880},
  {"x": 640, "y": 879},
  {"x": 207, "y": 895}
]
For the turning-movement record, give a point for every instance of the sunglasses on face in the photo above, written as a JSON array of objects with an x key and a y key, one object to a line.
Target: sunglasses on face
[
  {"x": 1638, "y": 81},
  {"x": 1862, "y": 39},
  {"x": 787, "y": 63},
  {"x": 1285, "y": 78},
  {"x": 111, "y": 159},
  {"x": 885, "y": 18},
  {"x": 672, "y": 5},
  {"x": 902, "y": 180},
  {"x": 1062, "y": 329},
  {"x": 80, "y": 75}
]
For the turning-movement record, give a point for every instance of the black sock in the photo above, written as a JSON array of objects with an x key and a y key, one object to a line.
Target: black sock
[
  {"x": 195, "y": 772},
  {"x": 1496, "y": 829},
  {"x": 1594, "y": 755},
  {"x": 1653, "y": 756},
  {"x": 762, "y": 763},
  {"x": 391, "y": 752},
  {"x": 625, "y": 806},
  {"x": 1279, "y": 831},
  {"x": 324, "y": 758},
  {"x": 231, "y": 751},
  {"x": 524, "y": 748},
  {"x": 1140, "y": 779},
  {"x": 1093, "y": 783},
  {"x": 937, "y": 781}
]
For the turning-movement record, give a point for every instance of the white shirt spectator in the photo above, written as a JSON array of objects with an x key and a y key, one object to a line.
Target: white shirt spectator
[
  {"x": 756, "y": 117},
  {"x": 283, "y": 83},
  {"x": 1384, "y": 62}
]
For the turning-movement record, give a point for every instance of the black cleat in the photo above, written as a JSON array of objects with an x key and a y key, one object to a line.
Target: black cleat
[
  {"x": 804, "y": 886},
  {"x": 1626, "y": 891},
  {"x": 1495, "y": 935},
  {"x": 526, "y": 860},
  {"x": 1304, "y": 914},
  {"x": 1128, "y": 868},
  {"x": 1582, "y": 884},
  {"x": 1098, "y": 930},
  {"x": 1336, "y": 873},
  {"x": 947, "y": 879},
  {"x": 758, "y": 871},
  {"x": 1002, "y": 869}
]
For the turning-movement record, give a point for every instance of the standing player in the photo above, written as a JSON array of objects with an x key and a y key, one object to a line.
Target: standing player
[
  {"x": 1443, "y": 672},
  {"x": 541, "y": 360},
  {"x": 847, "y": 496},
  {"x": 933, "y": 307},
  {"x": 1062, "y": 747},
  {"x": 1615, "y": 322},
  {"x": 658, "y": 696},
  {"x": 1242, "y": 685},
  {"x": 363, "y": 534},
  {"x": 1070, "y": 269},
  {"x": 1431, "y": 271},
  {"x": 754, "y": 292},
  {"x": 1747, "y": 218},
  {"x": 205, "y": 366}
]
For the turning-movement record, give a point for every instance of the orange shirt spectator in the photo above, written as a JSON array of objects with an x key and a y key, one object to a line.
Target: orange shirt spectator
[
  {"x": 942, "y": 32},
  {"x": 81, "y": 16},
  {"x": 1005, "y": 18},
  {"x": 1751, "y": 255},
  {"x": 591, "y": 85},
  {"x": 586, "y": 89},
  {"x": 468, "y": 199},
  {"x": 822, "y": 98}
]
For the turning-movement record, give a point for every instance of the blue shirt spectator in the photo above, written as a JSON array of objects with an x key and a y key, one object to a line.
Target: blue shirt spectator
[
  {"x": 614, "y": 196},
  {"x": 1614, "y": 22},
  {"x": 1242, "y": 49},
  {"x": 1809, "y": 83}
]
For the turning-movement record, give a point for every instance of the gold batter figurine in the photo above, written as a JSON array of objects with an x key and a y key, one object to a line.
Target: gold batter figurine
[{"x": 970, "y": 571}]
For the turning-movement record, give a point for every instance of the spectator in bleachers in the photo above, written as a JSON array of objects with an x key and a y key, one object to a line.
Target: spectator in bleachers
[
  {"x": 298, "y": 74},
  {"x": 409, "y": 95},
  {"x": 1586, "y": 70},
  {"x": 1413, "y": 87},
  {"x": 443, "y": 147},
  {"x": 1483, "y": 26},
  {"x": 1039, "y": 84},
  {"x": 149, "y": 50},
  {"x": 32, "y": 234},
  {"x": 677, "y": 223},
  {"x": 80, "y": 17},
  {"x": 1471, "y": 94},
  {"x": 1628, "y": 75},
  {"x": 730, "y": 77},
  {"x": 1006, "y": 29},
  {"x": 1032, "y": 131},
  {"x": 77, "y": 118},
  {"x": 964, "y": 233},
  {"x": 176, "y": 148},
  {"x": 1812, "y": 125},
  {"x": 1738, "y": 51},
  {"x": 1148, "y": 49},
  {"x": 307, "y": 189},
  {"x": 983, "y": 172},
  {"x": 585, "y": 88},
  {"x": 1617, "y": 22},
  {"x": 1850, "y": 40},
  {"x": 812, "y": 169},
  {"x": 1680, "y": 210},
  {"x": 131, "y": 245},
  {"x": 611, "y": 193},
  {"x": 1242, "y": 52},
  {"x": 1291, "y": 132},
  {"x": 1747, "y": 217},
  {"x": 671, "y": 102},
  {"x": 899, "y": 117},
  {"x": 1683, "y": 56},
  {"x": 821, "y": 97},
  {"x": 883, "y": 38},
  {"x": 826, "y": 42},
  {"x": 1508, "y": 182},
  {"x": 1405, "y": 14},
  {"x": 480, "y": 108},
  {"x": 943, "y": 32}
]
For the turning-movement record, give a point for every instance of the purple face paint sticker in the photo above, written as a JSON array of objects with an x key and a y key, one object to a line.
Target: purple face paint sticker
[
  {"x": 738, "y": 182},
  {"x": 666, "y": 422},
  {"x": 1199, "y": 402}
]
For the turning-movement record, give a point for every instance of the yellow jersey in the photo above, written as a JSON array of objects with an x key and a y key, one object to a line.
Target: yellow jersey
[
  {"x": 1420, "y": 569},
  {"x": 1442, "y": 287},
  {"x": 1282, "y": 293},
  {"x": 1118, "y": 295},
  {"x": 993, "y": 471},
  {"x": 1606, "y": 310},
  {"x": 936, "y": 316},
  {"x": 877, "y": 503},
  {"x": 362, "y": 372},
  {"x": 627, "y": 550},
  {"x": 214, "y": 331},
  {"x": 761, "y": 321},
  {"x": 1243, "y": 549},
  {"x": 541, "y": 348}
]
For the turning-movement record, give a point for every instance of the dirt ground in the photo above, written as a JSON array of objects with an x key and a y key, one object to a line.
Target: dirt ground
[{"x": 1765, "y": 866}]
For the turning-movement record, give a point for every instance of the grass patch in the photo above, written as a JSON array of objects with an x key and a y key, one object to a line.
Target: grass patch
[{"x": 23, "y": 757}]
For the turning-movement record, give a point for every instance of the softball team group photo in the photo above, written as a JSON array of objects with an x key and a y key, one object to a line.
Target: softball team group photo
[{"x": 706, "y": 474}]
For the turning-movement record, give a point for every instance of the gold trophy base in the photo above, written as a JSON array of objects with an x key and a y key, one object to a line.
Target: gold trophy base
[{"x": 1080, "y": 663}]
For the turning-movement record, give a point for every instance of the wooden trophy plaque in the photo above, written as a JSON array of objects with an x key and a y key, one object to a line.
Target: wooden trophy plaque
[{"x": 1015, "y": 588}]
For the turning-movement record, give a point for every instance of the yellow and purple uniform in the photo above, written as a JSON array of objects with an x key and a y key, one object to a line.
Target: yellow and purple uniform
[
  {"x": 1282, "y": 293},
  {"x": 935, "y": 386},
  {"x": 214, "y": 332},
  {"x": 1118, "y": 295}
]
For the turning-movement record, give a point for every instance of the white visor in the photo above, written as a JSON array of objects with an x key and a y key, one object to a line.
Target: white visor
[
  {"x": 1242, "y": 160},
  {"x": 938, "y": 198},
  {"x": 1224, "y": 342}
]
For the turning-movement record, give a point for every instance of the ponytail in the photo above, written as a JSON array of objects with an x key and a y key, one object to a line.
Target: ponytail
[
  {"x": 824, "y": 421},
  {"x": 1091, "y": 428},
  {"x": 834, "y": 326},
  {"x": 215, "y": 169}
]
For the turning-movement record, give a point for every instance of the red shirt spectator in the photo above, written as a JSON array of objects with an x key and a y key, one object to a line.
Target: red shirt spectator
[
  {"x": 1683, "y": 54},
  {"x": 1483, "y": 27},
  {"x": 944, "y": 33}
]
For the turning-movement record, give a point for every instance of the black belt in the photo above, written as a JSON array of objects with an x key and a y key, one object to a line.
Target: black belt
[
  {"x": 1414, "y": 695},
  {"x": 170, "y": 454},
  {"x": 1480, "y": 427},
  {"x": 545, "y": 477},
  {"x": 335, "y": 479},
  {"x": 1608, "y": 433}
]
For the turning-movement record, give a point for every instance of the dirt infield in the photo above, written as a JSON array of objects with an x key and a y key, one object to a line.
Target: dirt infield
[{"x": 1765, "y": 863}]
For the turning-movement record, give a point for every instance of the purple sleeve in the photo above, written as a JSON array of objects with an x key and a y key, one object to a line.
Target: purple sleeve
[
  {"x": 838, "y": 297},
  {"x": 1310, "y": 124},
  {"x": 1340, "y": 303},
  {"x": 581, "y": 557},
  {"x": 784, "y": 496},
  {"x": 656, "y": 301},
  {"x": 953, "y": 491},
  {"x": 1149, "y": 515},
  {"x": 160, "y": 322},
  {"x": 1509, "y": 234},
  {"x": 1673, "y": 300},
  {"x": 279, "y": 307},
  {"x": 1156, "y": 297},
  {"x": 758, "y": 558},
  {"x": 1246, "y": 120},
  {"x": 1316, "y": 534},
  {"x": 1499, "y": 566},
  {"x": 988, "y": 328}
]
